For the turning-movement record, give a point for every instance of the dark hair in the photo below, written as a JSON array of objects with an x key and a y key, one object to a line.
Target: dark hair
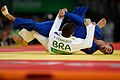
[
  {"x": 68, "y": 29},
  {"x": 112, "y": 49}
]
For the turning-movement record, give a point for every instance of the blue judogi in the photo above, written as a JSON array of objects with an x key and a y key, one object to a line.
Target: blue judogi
[{"x": 44, "y": 27}]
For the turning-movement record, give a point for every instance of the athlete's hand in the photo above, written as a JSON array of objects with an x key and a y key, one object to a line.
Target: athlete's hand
[
  {"x": 87, "y": 22},
  {"x": 61, "y": 13},
  {"x": 93, "y": 23},
  {"x": 65, "y": 9}
]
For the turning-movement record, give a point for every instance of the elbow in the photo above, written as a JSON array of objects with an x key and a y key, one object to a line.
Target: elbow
[{"x": 89, "y": 44}]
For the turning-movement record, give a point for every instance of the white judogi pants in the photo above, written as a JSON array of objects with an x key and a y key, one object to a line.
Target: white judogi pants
[{"x": 30, "y": 35}]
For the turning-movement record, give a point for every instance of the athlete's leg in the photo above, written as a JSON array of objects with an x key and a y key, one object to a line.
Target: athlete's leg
[
  {"x": 5, "y": 12},
  {"x": 98, "y": 31},
  {"x": 29, "y": 24},
  {"x": 80, "y": 10},
  {"x": 102, "y": 23},
  {"x": 30, "y": 35}
]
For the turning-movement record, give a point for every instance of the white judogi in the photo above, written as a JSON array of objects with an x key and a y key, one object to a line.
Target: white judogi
[{"x": 56, "y": 43}]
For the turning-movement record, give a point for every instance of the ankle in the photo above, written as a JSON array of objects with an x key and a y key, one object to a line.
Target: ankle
[{"x": 10, "y": 17}]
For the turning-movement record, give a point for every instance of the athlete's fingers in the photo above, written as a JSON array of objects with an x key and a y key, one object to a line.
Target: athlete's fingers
[
  {"x": 93, "y": 23},
  {"x": 87, "y": 22},
  {"x": 65, "y": 9},
  {"x": 61, "y": 13}
]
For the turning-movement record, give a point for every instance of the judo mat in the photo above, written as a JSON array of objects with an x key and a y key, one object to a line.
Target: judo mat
[{"x": 36, "y": 63}]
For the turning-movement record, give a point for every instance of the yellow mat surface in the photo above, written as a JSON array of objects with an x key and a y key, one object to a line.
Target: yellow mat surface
[{"x": 43, "y": 55}]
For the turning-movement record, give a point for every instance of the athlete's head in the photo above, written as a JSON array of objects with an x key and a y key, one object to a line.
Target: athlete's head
[
  {"x": 68, "y": 29},
  {"x": 106, "y": 48}
]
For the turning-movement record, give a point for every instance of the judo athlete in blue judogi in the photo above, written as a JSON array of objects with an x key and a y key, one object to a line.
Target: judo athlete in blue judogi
[{"x": 78, "y": 17}]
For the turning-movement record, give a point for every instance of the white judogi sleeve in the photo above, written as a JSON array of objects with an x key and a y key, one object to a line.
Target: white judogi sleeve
[
  {"x": 56, "y": 25},
  {"x": 87, "y": 42}
]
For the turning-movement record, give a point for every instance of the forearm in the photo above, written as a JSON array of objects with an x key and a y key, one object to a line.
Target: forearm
[
  {"x": 90, "y": 35},
  {"x": 77, "y": 19},
  {"x": 56, "y": 25},
  {"x": 92, "y": 49}
]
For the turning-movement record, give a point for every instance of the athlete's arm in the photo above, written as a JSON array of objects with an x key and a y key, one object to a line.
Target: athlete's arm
[
  {"x": 87, "y": 42},
  {"x": 90, "y": 36},
  {"x": 56, "y": 24}
]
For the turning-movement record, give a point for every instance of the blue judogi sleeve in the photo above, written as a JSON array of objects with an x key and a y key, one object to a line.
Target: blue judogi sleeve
[
  {"x": 41, "y": 27},
  {"x": 91, "y": 50},
  {"x": 78, "y": 14},
  {"x": 94, "y": 48}
]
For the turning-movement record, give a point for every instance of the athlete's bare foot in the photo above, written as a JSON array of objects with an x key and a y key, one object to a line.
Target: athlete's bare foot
[
  {"x": 5, "y": 12},
  {"x": 19, "y": 40},
  {"x": 102, "y": 23}
]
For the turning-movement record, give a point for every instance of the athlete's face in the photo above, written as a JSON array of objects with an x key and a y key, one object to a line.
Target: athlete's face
[{"x": 105, "y": 48}]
